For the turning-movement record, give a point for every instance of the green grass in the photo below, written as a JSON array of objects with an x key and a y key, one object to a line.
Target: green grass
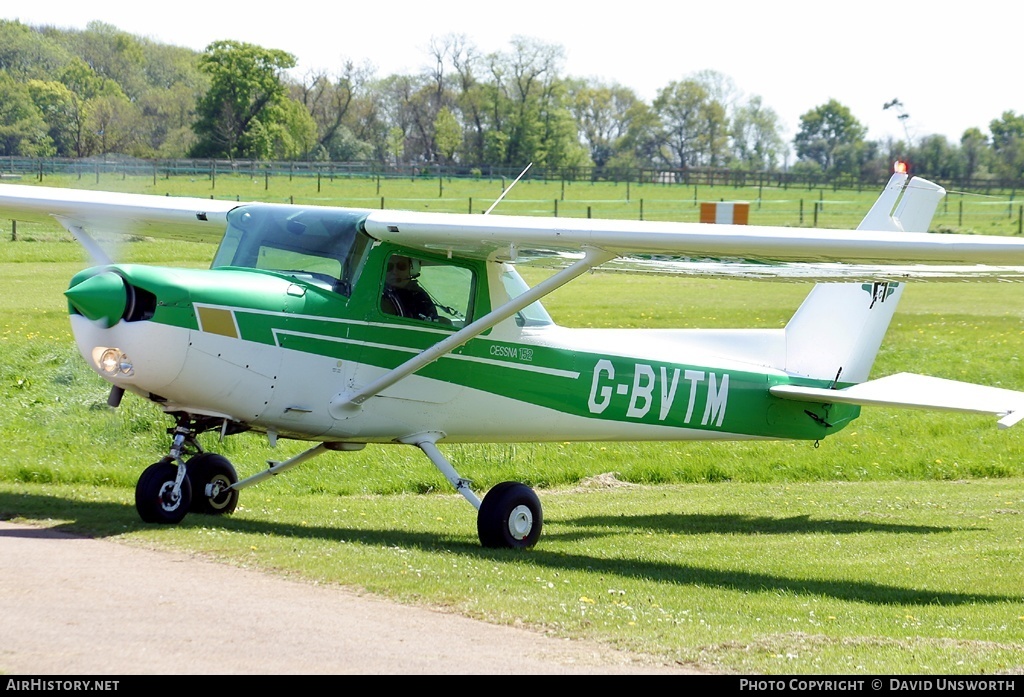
[{"x": 893, "y": 547}]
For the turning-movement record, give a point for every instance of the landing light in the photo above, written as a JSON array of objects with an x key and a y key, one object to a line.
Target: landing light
[{"x": 112, "y": 362}]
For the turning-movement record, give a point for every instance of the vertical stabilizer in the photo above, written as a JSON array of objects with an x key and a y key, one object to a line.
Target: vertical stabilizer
[{"x": 837, "y": 331}]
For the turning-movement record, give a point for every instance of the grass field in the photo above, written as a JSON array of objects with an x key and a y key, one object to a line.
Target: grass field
[{"x": 893, "y": 547}]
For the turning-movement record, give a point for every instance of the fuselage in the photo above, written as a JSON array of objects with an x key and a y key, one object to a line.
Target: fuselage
[{"x": 283, "y": 325}]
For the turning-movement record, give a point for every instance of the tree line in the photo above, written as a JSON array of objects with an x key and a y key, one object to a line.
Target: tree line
[{"x": 102, "y": 91}]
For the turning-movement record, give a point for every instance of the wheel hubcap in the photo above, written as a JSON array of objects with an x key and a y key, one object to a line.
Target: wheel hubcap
[
  {"x": 217, "y": 492},
  {"x": 520, "y": 522},
  {"x": 169, "y": 500}
]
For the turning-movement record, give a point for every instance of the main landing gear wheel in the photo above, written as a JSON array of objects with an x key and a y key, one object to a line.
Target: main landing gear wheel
[
  {"x": 154, "y": 494},
  {"x": 211, "y": 475},
  {"x": 509, "y": 516}
]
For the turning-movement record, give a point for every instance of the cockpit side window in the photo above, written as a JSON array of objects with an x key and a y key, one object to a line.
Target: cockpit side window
[
  {"x": 428, "y": 290},
  {"x": 325, "y": 247}
]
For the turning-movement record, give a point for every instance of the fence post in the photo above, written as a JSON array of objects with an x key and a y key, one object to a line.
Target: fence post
[{"x": 14, "y": 231}]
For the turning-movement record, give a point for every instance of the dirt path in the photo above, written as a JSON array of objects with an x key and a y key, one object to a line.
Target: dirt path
[{"x": 80, "y": 606}]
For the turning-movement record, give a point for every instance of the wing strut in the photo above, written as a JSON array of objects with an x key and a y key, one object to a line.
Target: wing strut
[
  {"x": 95, "y": 251},
  {"x": 344, "y": 402}
]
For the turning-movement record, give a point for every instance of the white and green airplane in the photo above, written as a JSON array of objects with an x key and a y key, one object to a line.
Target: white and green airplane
[{"x": 344, "y": 327}]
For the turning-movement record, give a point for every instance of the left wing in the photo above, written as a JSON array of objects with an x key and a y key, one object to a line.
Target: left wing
[{"x": 725, "y": 250}]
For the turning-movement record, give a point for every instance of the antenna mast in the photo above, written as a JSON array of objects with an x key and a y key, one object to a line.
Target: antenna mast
[{"x": 509, "y": 188}]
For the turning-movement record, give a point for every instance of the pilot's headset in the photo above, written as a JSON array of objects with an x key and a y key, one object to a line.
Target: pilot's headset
[{"x": 414, "y": 268}]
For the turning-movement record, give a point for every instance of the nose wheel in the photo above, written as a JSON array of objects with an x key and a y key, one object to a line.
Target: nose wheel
[
  {"x": 159, "y": 495},
  {"x": 171, "y": 488}
]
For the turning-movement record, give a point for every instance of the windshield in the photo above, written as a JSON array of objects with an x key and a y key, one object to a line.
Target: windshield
[{"x": 319, "y": 245}]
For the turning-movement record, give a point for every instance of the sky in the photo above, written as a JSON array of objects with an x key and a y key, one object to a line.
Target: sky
[{"x": 950, "y": 66}]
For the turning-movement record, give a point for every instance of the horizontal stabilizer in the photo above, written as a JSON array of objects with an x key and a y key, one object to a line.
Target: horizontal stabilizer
[{"x": 918, "y": 392}]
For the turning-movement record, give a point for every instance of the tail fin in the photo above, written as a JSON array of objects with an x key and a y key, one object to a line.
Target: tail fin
[{"x": 838, "y": 329}]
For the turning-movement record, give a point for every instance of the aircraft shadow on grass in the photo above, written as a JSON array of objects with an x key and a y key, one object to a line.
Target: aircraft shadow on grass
[
  {"x": 89, "y": 516},
  {"x": 735, "y": 524}
]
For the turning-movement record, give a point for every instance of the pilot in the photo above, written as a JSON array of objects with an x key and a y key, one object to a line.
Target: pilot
[{"x": 403, "y": 295}]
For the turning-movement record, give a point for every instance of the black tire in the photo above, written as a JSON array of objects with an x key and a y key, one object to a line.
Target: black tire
[
  {"x": 510, "y": 516},
  {"x": 153, "y": 491},
  {"x": 210, "y": 468}
]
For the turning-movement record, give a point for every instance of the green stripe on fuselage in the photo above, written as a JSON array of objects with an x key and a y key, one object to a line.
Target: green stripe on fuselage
[{"x": 275, "y": 310}]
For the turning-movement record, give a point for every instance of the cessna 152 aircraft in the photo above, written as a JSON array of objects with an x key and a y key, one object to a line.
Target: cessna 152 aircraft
[{"x": 344, "y": 327}]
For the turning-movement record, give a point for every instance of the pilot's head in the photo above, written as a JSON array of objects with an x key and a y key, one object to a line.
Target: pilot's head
[{"x": 401, "y": 271}]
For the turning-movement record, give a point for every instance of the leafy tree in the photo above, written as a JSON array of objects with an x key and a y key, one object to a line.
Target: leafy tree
[
  {"x": 112, "y": 125},
  {"x": 602, "y": 113},
  {"x": 112, "y": 54},
  {"x": 1008, "y": 144},
  {"x": 237, "y": 114},
  {"x": 824, "y": 131},
  {"x": 756, "y": 140},
  {"x": 687, "y": 112},
  {"x": 330, "y": 102},
  {"x": 973, "y": 146},
  {"x": 26, "y": 53},
  {"x": 470, "y": 98},
  {"x": 524, "y": 101},
  {"x": 167, "y": 118},
  {"x": 641, "y": 145},
  {"x": 396, "y": 143},
  {"x": 22, "y": 128},
  {"x": 59, "y": 107},
  {"x": 293, "y": 132},
  {"x": 936, "y": 157},
  {"x": 448, "y": 133}
]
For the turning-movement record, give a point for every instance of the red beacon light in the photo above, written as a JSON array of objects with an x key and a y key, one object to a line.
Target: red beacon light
[{"x": 899, "y": 167}]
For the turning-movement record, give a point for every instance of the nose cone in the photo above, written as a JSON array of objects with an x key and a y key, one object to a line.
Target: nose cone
[{"x": 101, "y": 297}]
